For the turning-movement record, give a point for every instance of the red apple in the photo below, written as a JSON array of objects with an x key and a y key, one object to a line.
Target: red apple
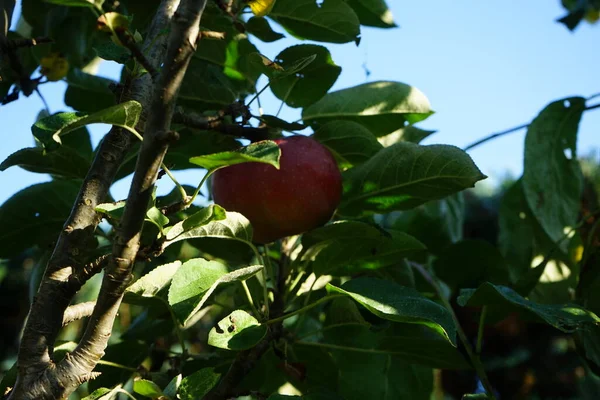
[{"x": 302, "y": 195}]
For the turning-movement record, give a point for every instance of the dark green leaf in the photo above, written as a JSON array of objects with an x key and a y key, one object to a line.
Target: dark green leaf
[
  {"x": 261, "y": 28},
  {"x": 35, "y": 216},
  {"x": 50, "y": 129},
  {"x": 478, "y": 396},
  {"x": 205, "y": 86},
  {"x": 347, "y": 247},
  {"x": 382, "y": 107},
  {"x": 128, "y": 353},
  {"x": 406, "y": 175},
  {"x": 411, "y": 343},
  {"x": 350, "y": 142},
  {"x": 191, "y": 143},
  {"x": 565, "y": 317},
  {"x": 265, "y": 151},
  {"x": 196, "y": 280},
  {"x": 470, "y": 263},
  {"x": 382, "y": 377},
  {"x": 237, "y": 331},
  {"x": 373, "y": 13},
  {"x": 77, "y": 3},
  {"x": 331, "y": 21},
  {"x": 198, "y": 384},
  {"x": 111, "y": 51},
  {"x": 88, "y": 93},
  {"x": 64, "y": 162},
  {"x": 305, "y": 87},
  {"x": 409, "y": 133},
  {"x": 553, "y": 182},
  {"x": 397, "y": 303},
  {"x": 437, "y": 223},
  {"x": 156, "y": 217},
  {"x": 274, "y": 122}
]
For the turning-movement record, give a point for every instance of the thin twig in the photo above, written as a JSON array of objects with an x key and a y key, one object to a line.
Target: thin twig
[
  {"x": 461, "y": 333},
  {"x": 128, "y": 41},
  {"x": 518, "y": 128},
  {"x": 196, "y": 121}
]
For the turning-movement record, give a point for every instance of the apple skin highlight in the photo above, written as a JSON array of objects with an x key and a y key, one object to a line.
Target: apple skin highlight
[{"x": 302, "y": 195}]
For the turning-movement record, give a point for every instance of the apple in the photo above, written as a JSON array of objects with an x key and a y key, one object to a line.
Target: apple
[{"x": 302, "y": 195}]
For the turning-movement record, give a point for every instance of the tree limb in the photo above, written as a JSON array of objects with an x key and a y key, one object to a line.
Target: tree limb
[
  {"x": 37, "y": 378},
  {"x": 184, "y": 30},
  {"x": 196, "y": 121},
  {"x": 78, "y": 311}
]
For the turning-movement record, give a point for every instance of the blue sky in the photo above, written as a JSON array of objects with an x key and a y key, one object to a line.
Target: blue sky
[{"x": 484, "y": 65}]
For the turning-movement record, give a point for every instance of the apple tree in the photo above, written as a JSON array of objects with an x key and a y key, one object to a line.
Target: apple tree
[{"x": 322, "y": 258}]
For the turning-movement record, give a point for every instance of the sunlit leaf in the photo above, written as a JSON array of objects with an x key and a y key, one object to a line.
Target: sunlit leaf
[{"x": 237, "y": 331}]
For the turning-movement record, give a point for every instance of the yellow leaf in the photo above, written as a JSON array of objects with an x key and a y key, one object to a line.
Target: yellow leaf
[
  {"x": 270, "y": 64},
  {"x": 54, "y": 66},
  {"x": 260, "y": 8}
]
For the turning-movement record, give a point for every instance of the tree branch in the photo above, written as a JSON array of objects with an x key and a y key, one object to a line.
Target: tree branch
[
  {"x": 78, "y": 311},
  {"x": 196, "y": 121},
  {"x": 37, "y": 377},
  {"x": 184, "y": 30}
]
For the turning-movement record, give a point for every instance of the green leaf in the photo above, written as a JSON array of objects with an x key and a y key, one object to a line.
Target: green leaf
[
  {"x": 521, "y": 238},
  {"x": 274, "y": 122},
  {"x": 35, "y": 216},
  {"x": 156, "y": 217},
  {"x": 437, "y": 224},
  {"x": 261, "y": 28},
  {"x": 64, "y": 162},
  {"x": 128, "y": 353},
  {"x": 373, "y": 13},
  {"x": 331, "y": 21},
  {"x": 98, "y": 394},
  {"x": 191, "y": 143},
  {"x": 49, "y": 130},
  {"x": 88, "y": 93},
  {"x": 382, "y": 107},
  {"x": 77, "y": 3},
  {"x": 149, "y": 285},
  {"x": 111, "y": 51},
  {"x": 278, "y": 396},
  {"x": 381, "y": 377},
  {"x": 414, "y": 344},
  {"x": 553, "y": 182},
  {"x": 147, "y": 388},
  {"x": 406, "y": 175},
  {"x": 205, "y": 86},
  {"x": 305, "y": 87},
  {"x": 265, "y": 151},
  {"x": 350, "y": 142},
  {"x": 197, "y": 385},
  {"x": 196, "y": 280},
  {"x": 565, "y": 317},
  {"x": 238, "y": 331},
  {"x": 347, "y": 247},
  {"x": 173, "y": 387},
  {"x": 409, "y": 133},
  {"x": 470, "y": 263},
  {"x": 206, "y": 215},
  {"x": 397, "y": 303},
  {"x": 112, "y": 210},
  {"x": 209, "y": 223},
  {"x": 478, "y": 396}
]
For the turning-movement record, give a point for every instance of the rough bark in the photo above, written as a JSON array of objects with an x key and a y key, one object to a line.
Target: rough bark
[{"x": 38, "y": 378}]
